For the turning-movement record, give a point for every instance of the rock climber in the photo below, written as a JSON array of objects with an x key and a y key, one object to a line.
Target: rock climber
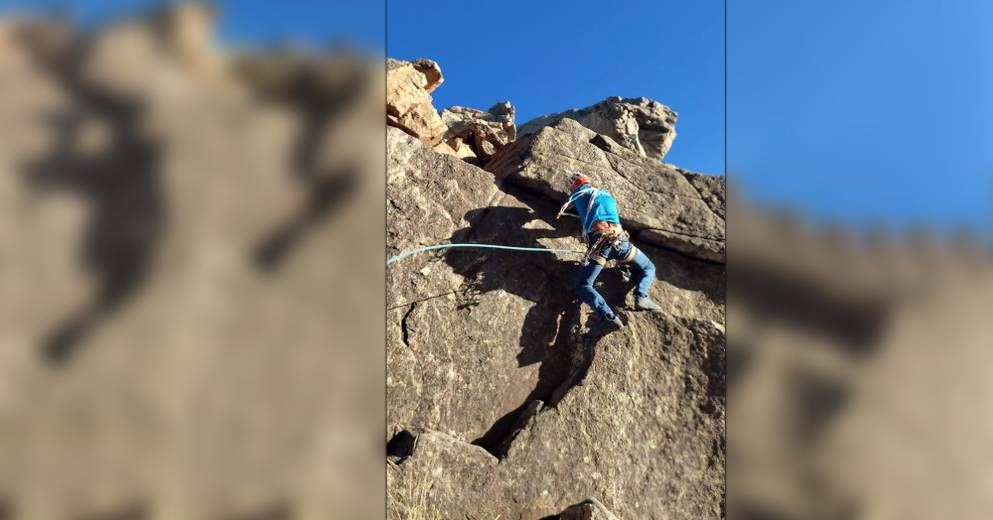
[{"x": 606, "y": 240}]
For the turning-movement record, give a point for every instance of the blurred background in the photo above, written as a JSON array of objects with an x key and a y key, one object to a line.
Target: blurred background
[
  {"x": 859, "y": 263},
  {"x": 191, "y": 283}
]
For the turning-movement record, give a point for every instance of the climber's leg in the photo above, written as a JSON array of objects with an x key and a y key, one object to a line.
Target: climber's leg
[
  {"x": 588, "y": 293},
  {"x": 644, "y": 274}
]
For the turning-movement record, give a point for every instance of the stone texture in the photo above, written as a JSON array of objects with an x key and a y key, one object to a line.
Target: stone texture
[
  {"x": 658, "y": 203},
  {"x": 486, "y": 132},
  {"x": 456, "y": 147},
  {"x": 408, "y": 99},
  {"x": 487, "y": 359},
  {"x": 442, "y": 477},
  {"x": 642, "y": 125},
  {"x": 712, "y": 189}
]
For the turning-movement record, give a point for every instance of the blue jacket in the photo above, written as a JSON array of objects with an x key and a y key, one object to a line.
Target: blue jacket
[{"x": 604, "y": 207}]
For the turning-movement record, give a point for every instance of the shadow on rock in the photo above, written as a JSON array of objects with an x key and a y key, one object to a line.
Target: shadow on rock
[
  {"x": 120, "y": 180},
  {"x": 320, "y": 100},
  {"x": 550, "y": 333}
]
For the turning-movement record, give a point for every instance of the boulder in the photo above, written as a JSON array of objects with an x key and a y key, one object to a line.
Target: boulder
[
  {"x": 486, "y": 132},
  {"x": 456, "y": 147},
  {"x": 438, "y": 477},
  {"x": 642, "y": 125},
  {"x": 408, "y": 99},
  {"x": 658, "y": 203}
]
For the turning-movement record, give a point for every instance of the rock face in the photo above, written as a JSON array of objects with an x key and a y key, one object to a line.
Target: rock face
[
  {"x": 486, "y": 132},
  {"x": 499, "y": 402},
  {"x": 408, "y": 99},
  {"x": 661, "y": 205},
  {"x": 642, "y": 125}
]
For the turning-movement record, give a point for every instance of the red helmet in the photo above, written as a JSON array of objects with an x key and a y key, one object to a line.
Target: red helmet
[{"x": 577, "y": 180}]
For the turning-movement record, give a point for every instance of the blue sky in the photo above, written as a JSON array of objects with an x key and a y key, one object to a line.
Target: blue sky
[
  {"x": 864, "y": 112},
  {"x": 551, "y": 55}
]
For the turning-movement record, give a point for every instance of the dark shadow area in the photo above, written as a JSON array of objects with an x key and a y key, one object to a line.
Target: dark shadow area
[
  {"x": 133, "y": 511},
  {"x": 120, "y": 181},
  {"x": 401, "y": 446},
  {"x": 320, "y": 94},
  {"x": 551, "y": 333},
  {"x": 855, "y": 323},
  {"x": 819, "y": 399},
  {"x": 278, "y": 510},
  {"x": 323, "y": 196},
  {"x": 740, "y": 358}
]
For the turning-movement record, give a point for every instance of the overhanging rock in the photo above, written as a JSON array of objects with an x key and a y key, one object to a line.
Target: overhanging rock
[{"x": 659, "y": 203}]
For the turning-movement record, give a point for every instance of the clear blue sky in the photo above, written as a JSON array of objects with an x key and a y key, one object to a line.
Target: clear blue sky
[
  {"x": 551, "y": 55},
  {"x": 861, "y": 112}
]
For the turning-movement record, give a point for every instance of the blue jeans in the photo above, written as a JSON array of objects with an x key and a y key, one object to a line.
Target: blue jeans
[{"x": 644, "y": 273}]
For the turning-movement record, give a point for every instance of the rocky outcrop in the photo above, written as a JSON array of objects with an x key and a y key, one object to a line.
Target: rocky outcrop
[
  {"x": 486, "y": 132},
  {"x": 661, "y": 204},
  {"x": 408, "y": 99},
  {"x": 499, "y": 402},
  {"x": 642, "y": 125}
]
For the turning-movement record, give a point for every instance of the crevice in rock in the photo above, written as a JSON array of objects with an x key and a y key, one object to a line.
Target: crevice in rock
[
  {"x": 404, "y": 327},
  {"x": 401, "y": 446},
  {"x": 576, "y": 351}
]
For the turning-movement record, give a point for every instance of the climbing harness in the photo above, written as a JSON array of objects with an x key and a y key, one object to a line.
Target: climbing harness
[
  {"x": 417, "y": 250},
  {"x": 611, "y": 236}
]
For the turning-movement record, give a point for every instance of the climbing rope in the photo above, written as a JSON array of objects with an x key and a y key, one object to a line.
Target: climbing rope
[{"x": 417, "y": 250}]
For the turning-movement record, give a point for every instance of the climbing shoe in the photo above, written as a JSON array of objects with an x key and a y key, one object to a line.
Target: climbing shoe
[
  {"x": 644, "y": 303},
  {"x": 604, "y": 325}
]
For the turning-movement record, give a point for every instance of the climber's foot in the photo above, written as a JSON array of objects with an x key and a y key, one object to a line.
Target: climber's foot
[
  {"x": 605, "y": 325},
  {"x": 644, "y": 303}
]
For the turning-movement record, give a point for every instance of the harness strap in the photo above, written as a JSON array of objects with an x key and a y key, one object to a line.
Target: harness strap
[
  {"x": 594, "y": 193},
  {"x": 609, "y": 238},
  {"x": 630, "y": 256}
]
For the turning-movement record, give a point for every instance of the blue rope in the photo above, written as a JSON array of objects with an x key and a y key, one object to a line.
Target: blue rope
[{"x": 414, "y": 251}]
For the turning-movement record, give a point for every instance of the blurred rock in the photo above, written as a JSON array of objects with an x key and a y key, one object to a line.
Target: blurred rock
[
  {"x": 188, "y": 29},
  {"x": 178, "y": 321},
  {"x": 642, "y": 125},
  {"x": 855, "y": 366},
  {"x": 408, "y": 99}
]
